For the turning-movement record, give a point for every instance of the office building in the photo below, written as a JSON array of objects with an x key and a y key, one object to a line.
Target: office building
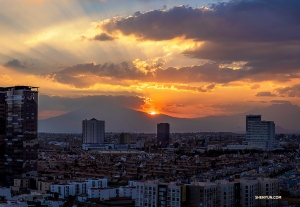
[
  {"x": 93, "y": 131},
  {"x": 21, "y": 152},
  {"x": 125, "y": 138},
  {"x": 259, "y": 135},
  {"x": 163, "y": 135}
]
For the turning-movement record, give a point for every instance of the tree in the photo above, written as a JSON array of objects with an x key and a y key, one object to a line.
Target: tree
[{"x": 55, "y": 195}]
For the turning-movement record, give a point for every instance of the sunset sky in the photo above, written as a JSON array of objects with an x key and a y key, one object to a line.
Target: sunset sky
[{"x": 184, "y": 58}]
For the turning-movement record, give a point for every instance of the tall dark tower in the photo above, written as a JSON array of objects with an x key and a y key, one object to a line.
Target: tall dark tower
[
  {"x": 163, "y": 135},
  {"x": 21, "y": 132},
  {"x": 2, "y": 132}
]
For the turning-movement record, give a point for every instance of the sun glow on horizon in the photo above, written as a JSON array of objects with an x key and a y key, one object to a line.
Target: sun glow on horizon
[{"x": 152, "y": 113}]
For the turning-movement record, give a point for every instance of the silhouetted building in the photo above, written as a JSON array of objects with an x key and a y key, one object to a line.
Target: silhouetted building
[
  {"x": 21, "y": 150},
  {"x": 93, "y": 131},
  {"x": 163, "y": 135},
  {"x": 2, "y": 132},
  {"x": 125, "y": 138}
]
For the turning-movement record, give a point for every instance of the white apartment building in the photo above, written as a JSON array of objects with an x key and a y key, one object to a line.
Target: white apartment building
[
  {"x": 44, "y": 186},
  {"x": 153, "y": 193},
  {"x": 101, "y": 193},
  {"x": 229, "y": 193},
  {"x": 64, "y": 190},
  {"x": 146, "y": 193},
  {"x": 93, "y": 131},
  {"x": 127, "y": 191},
  {"x": 249, "y": 189},
  {"x": 96, "y": 183},
  {"x": 204, "y": 194},
  {"x": 80, "y": 187},
  {"x": 268, "y": 187}
]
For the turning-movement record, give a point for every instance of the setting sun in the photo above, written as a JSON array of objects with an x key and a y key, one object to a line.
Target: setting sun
[{"x": 152, "y": 113}]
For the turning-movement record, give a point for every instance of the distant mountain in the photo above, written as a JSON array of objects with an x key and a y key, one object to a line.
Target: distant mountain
[{"x": 120, "y": 119}]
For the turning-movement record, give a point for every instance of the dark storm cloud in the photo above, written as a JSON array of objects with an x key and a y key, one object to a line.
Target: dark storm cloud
[
  {"x": 103, "y": 37},
  {"x": 264, "y": 34},
  {"x": 84, "y": 75},
  {"x": 251, "y": 20},
  {"x": 289, "y": 91},
  {"x": 15, "y": 63},
  {"x": 265, "y": 93}
]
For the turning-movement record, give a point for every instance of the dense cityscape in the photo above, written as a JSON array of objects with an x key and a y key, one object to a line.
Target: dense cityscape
[
  {"x": 149, "y": 103},
  {"x": 97, "y": 168}
]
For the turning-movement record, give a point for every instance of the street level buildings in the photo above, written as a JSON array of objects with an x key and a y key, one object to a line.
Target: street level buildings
[{"x": 93, "y": 131}]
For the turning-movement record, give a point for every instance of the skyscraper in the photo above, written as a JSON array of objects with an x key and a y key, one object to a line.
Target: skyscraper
[
  {"x": 163, "y": 135},
  {"x": 21, "y": 132},
  {"x": 2, "y": 132},
  {"x": 93, "y": 131},
  {"x": 259, "y": 135}
]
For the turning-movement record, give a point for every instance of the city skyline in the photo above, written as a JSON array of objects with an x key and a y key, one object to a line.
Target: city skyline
[{"x": 181, "y": 58}]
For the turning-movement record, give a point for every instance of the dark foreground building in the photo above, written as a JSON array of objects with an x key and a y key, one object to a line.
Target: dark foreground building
[{"x": 21, "y": 145}]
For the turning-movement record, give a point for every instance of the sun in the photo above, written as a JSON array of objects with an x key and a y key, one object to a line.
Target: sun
[{"x": 152, "y": 113}]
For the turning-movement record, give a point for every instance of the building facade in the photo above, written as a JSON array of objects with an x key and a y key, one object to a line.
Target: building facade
[
  {"x": 205, "y": 194},
  {"x": 21, "y": 145},
  {"x": 125, "y": 138},
  {"x": 2, "y": 132},
  {"x": 156, "y": 194},
  {"x": 163, "y": 135},
  {"x": 259, "y": 135},
  {"x": 93, "y": 131}
]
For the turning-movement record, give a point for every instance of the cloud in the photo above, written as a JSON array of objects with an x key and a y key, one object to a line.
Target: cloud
[
  {"x": 255, "y": 86},
  {"x": 280, "y": 101},
  {"x": 103, "y": 37},
  {"x": 194, "y": 88},
  {"x": 56, "y": 103},
  {"x": 265, "y": 93},
  {"x": 254, "y": 20},
  {"x": 263, "y": 34},
  {"x": 289, "y": 91},
  {"x": 84, "y": 75},
  {"x": 15, "y": 63},
  {"x": 88, "y": 74}
]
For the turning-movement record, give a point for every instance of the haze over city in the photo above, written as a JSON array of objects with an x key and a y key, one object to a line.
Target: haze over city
[{"x": 184, "y": 59}]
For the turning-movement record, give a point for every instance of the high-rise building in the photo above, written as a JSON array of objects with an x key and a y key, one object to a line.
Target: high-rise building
[
  {"x": 163, "y": 135},
  {"x": 21, "y": 152},
  {"x": 125, "y": 138},
  {"x": 93, "y": 131},
  {"x": 259, "y": 135},
  {"x": 2, "y": 132}
]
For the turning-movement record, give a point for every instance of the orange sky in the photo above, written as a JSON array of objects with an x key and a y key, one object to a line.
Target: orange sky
[{"x": 203, "y": 63}]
